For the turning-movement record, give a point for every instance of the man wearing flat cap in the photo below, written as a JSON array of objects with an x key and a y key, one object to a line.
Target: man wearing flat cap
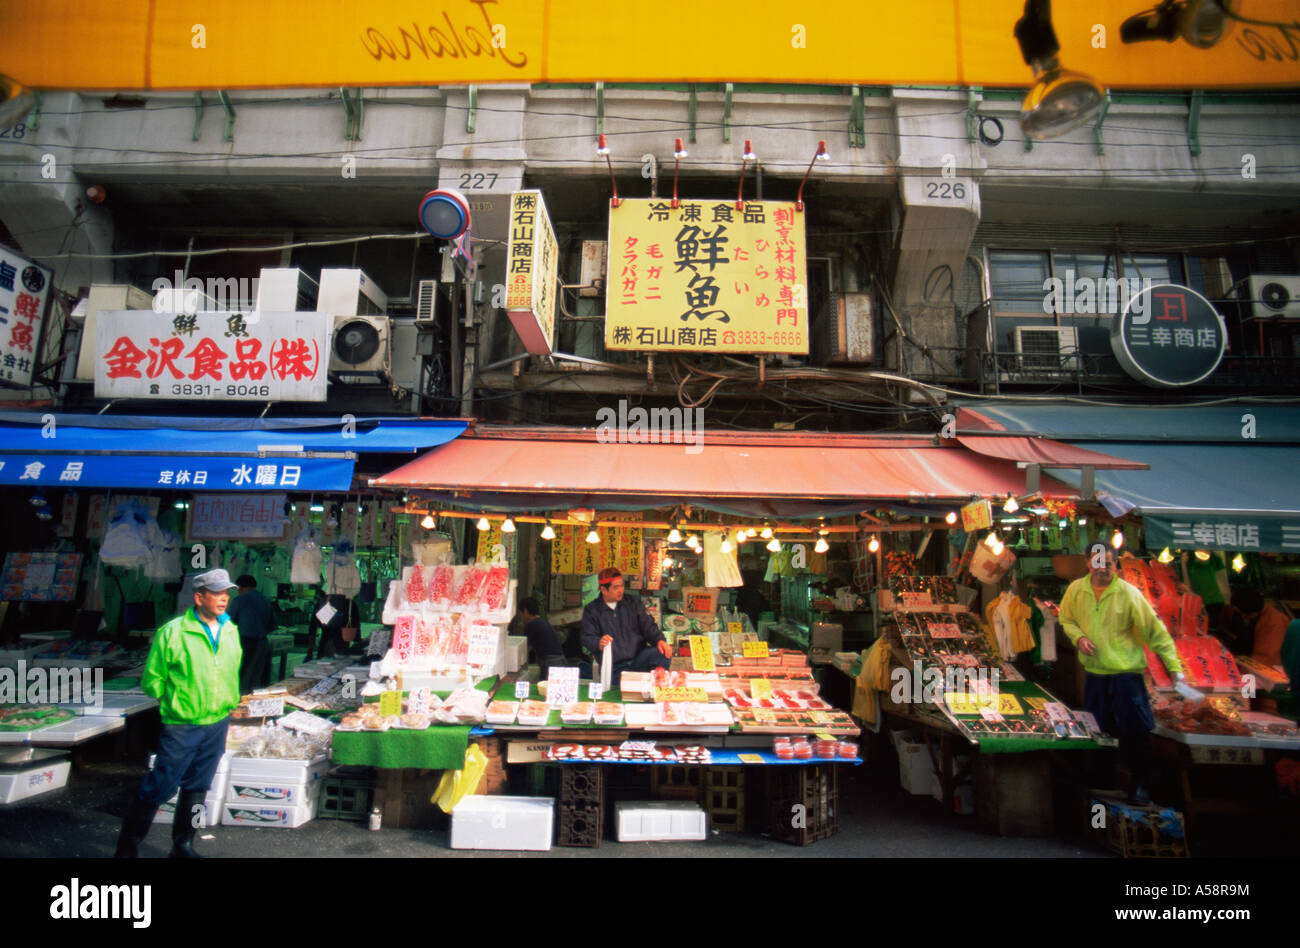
[{"x": 193, "y": 672}]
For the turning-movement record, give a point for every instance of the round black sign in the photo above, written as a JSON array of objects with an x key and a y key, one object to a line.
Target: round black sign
[{"x": 1169, "y": 336}]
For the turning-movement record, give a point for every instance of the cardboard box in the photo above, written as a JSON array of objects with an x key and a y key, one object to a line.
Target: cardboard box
[
  {"x": 277, "y": 817},
  {"x": 527, "y": 752},
  {"x": 33, "y": 781},
  {"x": 503, "y": 823},
  {"x": 660, "y": 821},
  {"x": 916, "y": 772}
]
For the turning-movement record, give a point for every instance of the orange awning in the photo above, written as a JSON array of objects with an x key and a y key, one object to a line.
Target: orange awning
[{"x": 789, "y": 465}]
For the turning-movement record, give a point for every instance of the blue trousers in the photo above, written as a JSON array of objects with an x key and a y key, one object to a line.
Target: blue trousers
[
  {"x": 646, "y": 660},
  {"x": 1120, "y": 705},
  {"x": 188, "y": 755}
]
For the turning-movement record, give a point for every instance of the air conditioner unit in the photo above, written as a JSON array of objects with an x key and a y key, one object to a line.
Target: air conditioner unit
[
  {"x": 185, "y": 301},
  {"x": 286, "y": 290},
  {"x": 847, "y": 336},
  {"x": 104, "y": 297},
  {"x": 349, "y": 292},
  {"x": 1271, "y": 296},
  {"x": 360, "y": 345},
  {"x": 1048, "y": 348},
  {"x": 426, "y": 302}
]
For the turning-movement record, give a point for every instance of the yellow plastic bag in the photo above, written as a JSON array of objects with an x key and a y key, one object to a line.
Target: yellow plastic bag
[{"x": 455, "y": 784}]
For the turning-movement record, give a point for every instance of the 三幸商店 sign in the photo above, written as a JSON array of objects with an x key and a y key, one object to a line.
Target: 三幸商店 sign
[
  {"x": 213, "y": 356},
  {"x": 24, "y": 289},
  {"x": 1241, "y": 533},
  {"x": 1169, "y": 336},
  {"x": 706, "y": 276}
]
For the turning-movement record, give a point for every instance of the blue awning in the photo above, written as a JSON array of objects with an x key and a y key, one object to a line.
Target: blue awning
[
  {"x": 1259, "y": 424},
  {"x": 197, "y": 454}
]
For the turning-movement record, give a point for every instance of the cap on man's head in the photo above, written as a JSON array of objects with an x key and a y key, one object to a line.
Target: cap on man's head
[
  {"x": 608, "y": 575},
  {"x": 214, "y": 580}
]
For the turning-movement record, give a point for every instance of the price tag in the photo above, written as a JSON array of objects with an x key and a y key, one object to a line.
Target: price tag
[
  {"x": 266, "y": 707},
  {"x": 646, "y": 746},
  {"x": 988, "y": 714},
  {"x": 523, "y": 689},
  {"x": 1007, "y": 704},
  {"x": 701, "y": 653},
  {"x": 561, "y": 686},
  {"x": 390, "y": 703},
  {"x": 483, "y": 642},
  {"x": 1057, "y": 711},
  {"x": 750, "y": 758},
  {"x": 963, "y": 702},
  {"x": 421, "y": 701},
  {"x": 916, "y": 600},
  {"x": 760, "y": 688},
  {"x": 595, "y": 692},
  {"x": 820, "y": 717},
  {"x": 735, "y": 628},
  {"x": 764, "y": 716},
  {"x": 977, "y": 516},
  {"x": 681, "y": 694},
  {"x": 754, "y": 649},
  {"x": 1038, "y": 704},
  {"x": 944, "y": 630},
  {"x": 325, "y": 613}
]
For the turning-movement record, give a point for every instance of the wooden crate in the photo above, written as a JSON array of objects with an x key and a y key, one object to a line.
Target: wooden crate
[
  {"x": 724, "y": 798},
  {"x": 1149, "y": 832}
]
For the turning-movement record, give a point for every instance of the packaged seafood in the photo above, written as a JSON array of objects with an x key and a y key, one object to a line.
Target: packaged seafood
[
  {"x": 440, "y": 585},
  {"x": 670, "y": 713},
  {"x": 564, "y": 751},
  {"x": 534, "y": 713},
  {"x": 577, "y": 713},
  {"x": 608, "y": 712},
  {"x": 599, "y": 752},
  {"x": 414, "y": 722},
  {"x": 415, "y": 588},
  {"x": 502, "y": 712},
  {"x": 494, "y": 589},
  {"x": 848, "y": 750},
  {"x": 471, "y": 588}
]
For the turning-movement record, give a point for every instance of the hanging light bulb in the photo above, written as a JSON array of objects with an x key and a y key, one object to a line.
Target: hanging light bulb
[
  {"x": 951, "y": 518},
  {"x": 821, "y": 546},
  {"x": 427, "y": 522},
  {"x": 991, "y": 540},
  {"x": 548, "y": 531},
  {"x": 483, "y": 523},
  {"x": 774, "y": 545},
  {"x": 508, "y": 526},
  {"x": 675, "y": 536},
  {"x": 1117, "y": 538},
  {"x": 874, "y": 545},
  {"x": 1165, "y": 556},
  {"x": 1203, "y": 555},
  {"x": 767, "y": 533},
  {"x": 1012, "y": 505},
  {"x": 751, "y": 532},
  {"x": 741, "y": 536},
  {"x": 668, "y": 561},
  {"x": 693, "y": 542},
  {"x": 1061, "y": 523},
  {"x": 726, "y": 544},
  {"x": 1083, "y": 521},
  {"x": 593, "y": 536},
  {"x": 998, "y": 547},
  {"x": 1238, "y": 563}
]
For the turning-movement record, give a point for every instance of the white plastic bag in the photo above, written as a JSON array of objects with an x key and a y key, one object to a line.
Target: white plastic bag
[
  {"x": 305, "y": 567},
  {"x": 126, "y": 543}
]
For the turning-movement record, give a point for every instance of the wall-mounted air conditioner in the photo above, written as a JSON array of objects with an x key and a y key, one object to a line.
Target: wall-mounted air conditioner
[
  {"x": 349, "y": 292},
  {"x": 1048, "y": 348},
  {"x": 1270, "y": 296},
  {"x": 286, "y": 290},
  {"x": 426, "y": 303},
  {"x": 360, "y": 345}
]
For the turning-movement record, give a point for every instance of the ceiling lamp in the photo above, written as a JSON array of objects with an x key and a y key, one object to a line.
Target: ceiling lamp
[
  {"x": 1059, "y": 100},
  {"x": 1083, "y": 521},
  {"x": 1202, "y": 23},
  {"x": 548, "y": 531},
  {"x": 693, "y": 541},
  {"x": 1238, "y": 563},
  {"x": 991, "y": 540},
  {"x": 483, "y": 523},
  {"x": 1012, "y": 505},
  {"x": 668, "y": 561},
  {"x": 427, "y": 522},
  {"x": 726, "y": 544},
  {"x": 767, "y": 533},
  {"x": 1165, "y": 556},
  {"x": 1117, "y": 538},
  {"x": 675, "y": 536},
  {"x": 821, "y": 546},
  {"x": 998, "y": 547},
  {"x": 774, "y": 545},
  {"x": 874, "y": 545},
  {"x": 751, "y": 532},
  {"x": 1202, "y": 555},
  {"x": 951, "y": 518},
  {"x": 507, "y": 526},
  {"x": 741, "y": 537},
  {"x": 38, "y": 500},
  {"x": 593, "y": 536}
]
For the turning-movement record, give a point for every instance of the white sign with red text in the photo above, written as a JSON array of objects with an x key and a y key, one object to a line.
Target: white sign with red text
[
  {"x": 213, "y": 356},
  {"x": 24, "y": 289}
]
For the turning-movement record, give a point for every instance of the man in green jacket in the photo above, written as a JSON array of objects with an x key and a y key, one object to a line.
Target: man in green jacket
[
  {"x": 1109, "y": 621},
  {"x": 193, "y": 671}
]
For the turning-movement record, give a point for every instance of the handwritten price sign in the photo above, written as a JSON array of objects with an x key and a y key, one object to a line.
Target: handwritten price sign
[
  {"x": 681, "y": 694},
  {"x": 701, "y": 653},
  {"x": 754, "y": 649},
  {"x": 760, "y": 688},
  {"x": 390, "y": 703}
]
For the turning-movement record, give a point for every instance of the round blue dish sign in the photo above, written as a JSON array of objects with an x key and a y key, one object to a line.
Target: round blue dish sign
[{"x": 1169, "y": 336}]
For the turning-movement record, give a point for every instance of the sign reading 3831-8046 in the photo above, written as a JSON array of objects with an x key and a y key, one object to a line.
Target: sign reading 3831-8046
[
  {"x": 213, "y": 356},
  {"x": 706, "y": 276}
]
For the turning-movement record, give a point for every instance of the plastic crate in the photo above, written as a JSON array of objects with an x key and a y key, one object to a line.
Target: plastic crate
[
  {"x": 801, "y": 804},
  {"x": 345, "y": 796},
  {"x": 580, "y": 826},
  {"x": 582, "y": 785},
  {"x": 724, "y": 798},
  {"x": 1145, "y": 832}
]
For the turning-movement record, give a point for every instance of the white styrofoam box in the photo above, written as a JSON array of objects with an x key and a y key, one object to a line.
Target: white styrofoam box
[
  {"x": 516, "y": 652},
  {"x": 278, "y": 817},
  {"x": 274, "y": 770},
  {"x": 660, "y": 821},
  {"x": 915, "y": 768},
  {"x": 272, "y": 793},
  {"x": 511, "y": 823},
  {"x": 212, "y": 802},
  {"x": 33, "y": 781}
]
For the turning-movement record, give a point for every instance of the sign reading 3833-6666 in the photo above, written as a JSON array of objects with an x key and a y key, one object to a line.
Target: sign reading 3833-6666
[{"x": 706, "y": 276}]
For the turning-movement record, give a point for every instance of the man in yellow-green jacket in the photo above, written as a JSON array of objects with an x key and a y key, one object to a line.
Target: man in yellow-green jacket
[
  {"x": 1109, "y": 621},
  {"x": 193, "y": 671}
]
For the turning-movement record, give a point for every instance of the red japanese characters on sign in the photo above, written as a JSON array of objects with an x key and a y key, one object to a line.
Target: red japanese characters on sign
[
  {"x": 222, "y": 356},
  {"x": 24, "y": 287}
]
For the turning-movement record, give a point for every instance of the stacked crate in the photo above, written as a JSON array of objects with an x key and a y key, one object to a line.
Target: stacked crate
[
  {"x": 724, "y": 798},
  {"x": 801, "y": 804},
  {"x": 581, "y": 809},
  {"x": 675, "y": 782}
]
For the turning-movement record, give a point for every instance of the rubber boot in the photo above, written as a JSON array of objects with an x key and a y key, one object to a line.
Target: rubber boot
[
  {"x": 135, "y": 828},
  {"x": 183, "y": 828}
]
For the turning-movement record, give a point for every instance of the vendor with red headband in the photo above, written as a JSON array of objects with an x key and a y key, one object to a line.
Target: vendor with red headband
[{"x": 613, "y": 617}]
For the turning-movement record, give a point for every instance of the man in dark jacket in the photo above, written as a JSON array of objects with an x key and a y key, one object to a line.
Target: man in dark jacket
[
  {"x": 638, "y": 643},
  {"x": 253, "y": 614}
]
